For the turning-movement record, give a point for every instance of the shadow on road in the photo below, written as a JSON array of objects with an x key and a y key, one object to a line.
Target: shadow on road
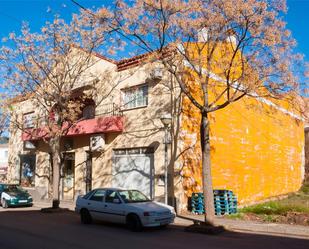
[{"x": 29, "y": 228}]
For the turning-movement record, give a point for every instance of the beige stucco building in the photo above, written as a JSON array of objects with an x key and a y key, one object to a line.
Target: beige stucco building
[{"x": 119, "y": 143}]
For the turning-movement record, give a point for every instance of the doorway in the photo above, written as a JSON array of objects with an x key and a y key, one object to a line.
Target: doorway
[
  {"x": 68, "y": 176},
  {"x": 133, "y": 169},
  {"x": 27, "y": 170}
]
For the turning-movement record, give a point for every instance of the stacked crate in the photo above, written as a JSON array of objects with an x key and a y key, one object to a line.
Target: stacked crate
[
  {"x": 197, "y": 203},
  {"x": 225, "y": 202}
]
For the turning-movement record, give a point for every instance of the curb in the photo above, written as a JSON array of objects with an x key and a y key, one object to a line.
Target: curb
[{"x": 271, "y": 229}]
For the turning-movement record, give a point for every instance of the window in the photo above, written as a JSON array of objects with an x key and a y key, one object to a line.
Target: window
[
  {"x": 86, "y": 196},
  {"x": 29, "y": 119},
  {"x": 132, "y": 196},
  {"x": 89, "y": 112},
  {"x": 111, "y": 196},
  {"x": 88, "y": 108},
  {"x": 136, "y": 97},
  {"x": 98, "y": 195},
  {"x": 6, "y": 154}
]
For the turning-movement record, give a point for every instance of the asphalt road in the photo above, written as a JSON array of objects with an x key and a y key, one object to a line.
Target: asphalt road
[{"x": 28, "y": 228}]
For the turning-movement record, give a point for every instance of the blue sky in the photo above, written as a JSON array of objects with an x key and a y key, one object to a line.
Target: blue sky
[{"x": 36, "y": 12}]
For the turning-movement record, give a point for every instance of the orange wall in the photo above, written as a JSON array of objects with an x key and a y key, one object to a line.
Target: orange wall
[{"x": 256, "y": 151}]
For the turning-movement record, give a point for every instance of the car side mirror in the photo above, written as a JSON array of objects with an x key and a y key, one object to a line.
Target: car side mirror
[{"x": 116, "y": 201}]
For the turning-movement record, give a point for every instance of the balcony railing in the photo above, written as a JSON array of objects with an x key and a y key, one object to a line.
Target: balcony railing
[
  {"x": 109, "y": 119},
  {"x": 107, "y": 110}
]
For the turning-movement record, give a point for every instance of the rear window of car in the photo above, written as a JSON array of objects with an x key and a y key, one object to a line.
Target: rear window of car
[{"x": 86, "y": 196}]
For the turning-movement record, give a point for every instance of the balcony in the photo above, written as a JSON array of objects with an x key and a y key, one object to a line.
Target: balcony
[{"x": 108, "y": 120}]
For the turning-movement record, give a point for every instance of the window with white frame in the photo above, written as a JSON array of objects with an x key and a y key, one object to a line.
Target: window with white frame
[
  {"x": 135, "y": 97},
  {"x": 29, "y": 119}
]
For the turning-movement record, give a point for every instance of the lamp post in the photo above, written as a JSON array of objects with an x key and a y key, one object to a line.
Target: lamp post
[{"x": 166, "y": 120}]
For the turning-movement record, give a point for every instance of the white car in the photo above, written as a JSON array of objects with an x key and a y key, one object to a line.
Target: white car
[{"x": 129, "y": 207}]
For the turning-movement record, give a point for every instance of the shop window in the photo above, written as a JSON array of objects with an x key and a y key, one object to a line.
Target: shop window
[
  {"x": 27, "y": 174},
  {"x": 135, "y": 97}
]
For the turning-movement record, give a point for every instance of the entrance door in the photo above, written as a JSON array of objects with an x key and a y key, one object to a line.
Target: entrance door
[
  {"x": 133, "y": 169},
  {"x": 27, "y": 170},
  {"x": 88, "y": 179},
  {"x": 68, "y": 176}
]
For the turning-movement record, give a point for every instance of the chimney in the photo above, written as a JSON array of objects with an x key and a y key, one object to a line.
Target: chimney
[{"x": 202, "y": 35}]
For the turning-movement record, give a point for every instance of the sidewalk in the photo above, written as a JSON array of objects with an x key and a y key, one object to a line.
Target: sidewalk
[
  {"x": 48, "y": 203},
  {"x": 275, "y": 229}
]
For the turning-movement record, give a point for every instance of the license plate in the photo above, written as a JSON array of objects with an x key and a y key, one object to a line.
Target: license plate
[{"x": 22, "y": 201}]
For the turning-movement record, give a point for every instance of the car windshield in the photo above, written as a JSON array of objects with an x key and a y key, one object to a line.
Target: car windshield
[
  {"x": 12, "y": 188},
  {"x": 132, "y": 196}
]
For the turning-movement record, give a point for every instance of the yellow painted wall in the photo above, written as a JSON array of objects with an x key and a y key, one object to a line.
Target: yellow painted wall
[{"x": 256, "y": 150}]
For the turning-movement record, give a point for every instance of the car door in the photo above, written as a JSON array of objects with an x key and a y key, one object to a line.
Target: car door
[
  {"x": 95, "y": 204},
  {"x": 114, "y": 208}
]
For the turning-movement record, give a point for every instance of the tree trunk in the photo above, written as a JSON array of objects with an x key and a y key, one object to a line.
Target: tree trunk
[
  {"x": 206, "y": 171},
  {"x": 56, "y": 153}
]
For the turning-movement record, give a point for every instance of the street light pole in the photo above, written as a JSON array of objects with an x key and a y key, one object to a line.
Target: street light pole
[
  {"x": 166, "y": 120},
  {"x": 165, "y": 164}
]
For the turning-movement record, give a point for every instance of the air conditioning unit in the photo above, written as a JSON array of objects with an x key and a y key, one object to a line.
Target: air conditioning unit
[
  {"x": 29, "y": 145},
  {"x": 97, "y": 142},
  {"x": 156, "y": 74}
]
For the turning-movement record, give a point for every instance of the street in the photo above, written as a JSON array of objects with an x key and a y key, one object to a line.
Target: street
[{"x": 28, "y": 228}]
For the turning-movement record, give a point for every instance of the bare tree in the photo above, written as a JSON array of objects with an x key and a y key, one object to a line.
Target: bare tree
[
  {"x": 52, "y": 69},
  {"x": 218, "y": 52}
]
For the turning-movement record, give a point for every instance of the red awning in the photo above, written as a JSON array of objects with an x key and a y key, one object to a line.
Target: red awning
[{"x": 89, "y": 126}]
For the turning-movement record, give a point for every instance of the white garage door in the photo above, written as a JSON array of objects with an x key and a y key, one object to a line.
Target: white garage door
[{"x": 133, "y": 169}]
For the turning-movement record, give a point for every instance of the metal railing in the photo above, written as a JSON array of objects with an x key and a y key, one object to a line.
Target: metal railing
[{"x": 108, "y": 110}]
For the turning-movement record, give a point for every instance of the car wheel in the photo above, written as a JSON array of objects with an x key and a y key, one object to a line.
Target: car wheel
[
  {"x": 134, "y": 223},
  {"x": 85, "y": 216},
  {"x": 4, "y": 203}
]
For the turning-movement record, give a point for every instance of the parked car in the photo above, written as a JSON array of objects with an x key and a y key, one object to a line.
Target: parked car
[
  {"x": 13, "y": 195},
  {"x": 130, "y": 207}
]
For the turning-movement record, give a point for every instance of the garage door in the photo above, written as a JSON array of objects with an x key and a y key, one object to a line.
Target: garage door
[{"x": 133, "y": 169}]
